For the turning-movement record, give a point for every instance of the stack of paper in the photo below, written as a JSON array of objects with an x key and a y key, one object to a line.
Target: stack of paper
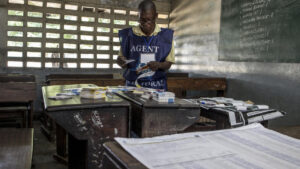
[
  {"x": 168, "y": 97},
  {"x": 93, "y": 93},
  {"x": 251, "y": 146}
]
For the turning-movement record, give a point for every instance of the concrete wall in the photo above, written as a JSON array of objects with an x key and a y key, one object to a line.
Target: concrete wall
[{"x": 197, "y": 27}]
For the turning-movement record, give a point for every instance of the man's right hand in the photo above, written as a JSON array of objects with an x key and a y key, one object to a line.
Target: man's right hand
[{"x": 121, "y": 61}]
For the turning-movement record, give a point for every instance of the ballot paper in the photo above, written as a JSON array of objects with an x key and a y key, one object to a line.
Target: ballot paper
[
  {"x": 251, "y": 146},
  {"x": 128, "y": 61}
]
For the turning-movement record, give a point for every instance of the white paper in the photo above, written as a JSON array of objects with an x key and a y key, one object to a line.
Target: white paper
[
  {"x": 129, "y": 61},
  {"x": 251, "y": 146},
  {"x": 147, "y": 57}
]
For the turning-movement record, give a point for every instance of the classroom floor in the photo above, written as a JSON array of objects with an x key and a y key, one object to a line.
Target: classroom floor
[{"x": 43, "y": 150}]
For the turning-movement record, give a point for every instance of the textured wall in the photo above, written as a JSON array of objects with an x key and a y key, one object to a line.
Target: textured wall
[
  {"x": 162, "y": 5},
  {"x": 197, "y": 25}
]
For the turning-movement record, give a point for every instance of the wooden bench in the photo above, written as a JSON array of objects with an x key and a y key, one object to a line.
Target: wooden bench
[
  {"x": 18, "y": 93},
  {"x": 16, "y": 146}
]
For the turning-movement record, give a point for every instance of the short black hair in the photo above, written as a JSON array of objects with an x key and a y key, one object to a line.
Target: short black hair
[{"x": 147, "y": 5}]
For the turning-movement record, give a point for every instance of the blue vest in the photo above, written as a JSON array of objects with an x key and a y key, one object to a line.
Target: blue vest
[{"x": 132, "y": 46}]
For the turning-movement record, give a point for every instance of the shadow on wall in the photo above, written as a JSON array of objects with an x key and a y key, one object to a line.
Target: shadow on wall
[
  {"x": 197, "y": 49},
  {"x": 270, "y": 91}
]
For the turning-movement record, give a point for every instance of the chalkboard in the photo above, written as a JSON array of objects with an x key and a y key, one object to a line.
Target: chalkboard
[{"x": 260, "y": 31}]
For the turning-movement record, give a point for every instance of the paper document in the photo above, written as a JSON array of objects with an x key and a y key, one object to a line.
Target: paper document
[
  {"x": 251, "y": 146},
  {"x": 128, "y": 61}
]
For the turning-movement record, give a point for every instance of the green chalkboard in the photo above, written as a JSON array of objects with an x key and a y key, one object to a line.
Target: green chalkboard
[{"x": 260, "y": 31}]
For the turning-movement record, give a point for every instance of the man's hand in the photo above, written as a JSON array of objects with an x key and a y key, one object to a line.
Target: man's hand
[
  {"x": 121, "y": 62},
  {"x": 154, "y": 66}
]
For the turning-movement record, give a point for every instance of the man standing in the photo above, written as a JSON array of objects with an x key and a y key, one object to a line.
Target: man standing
[{"x": 149, "y": 47}]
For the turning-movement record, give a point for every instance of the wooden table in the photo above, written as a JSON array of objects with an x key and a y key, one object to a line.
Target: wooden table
[
  {"x": 16, "y": 148},
  {"x": 151, "y": 118},
  {"x": 88, "y": 122}
]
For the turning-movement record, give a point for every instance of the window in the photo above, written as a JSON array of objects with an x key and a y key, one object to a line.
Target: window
[
  {"x": 70, "y": 27},
  {"x": 14, "y": 54},
  {"x": 103, "y": 65},
  {"x": 52, "y": 26},
  {"x": 53, "y": 5},
  {"x": 104, "y": 20},
  {"x": 102, "y": 56},
  {"x": 70, "y": 17},
  {"x": 35, "y": 3},
  {"x": 34, "y": 34},
  {"x": 87, "y": 19},
  {"x": 52, "y": 16},
  {"x": 121, "y": 12},
  {"x": 14, "y": 23},
  {"x": 34, "y": 24},
  {"x": 16, "y": 1},
  {"x": 35, "y": 14},
  {"x": 34, "y": 54},
  {"x": 71, "y": 7},
  {"x": 120, "y": 22},
  {"x": 15, "y": 13},
  {"x": 66, "y": 34},
  {"x": 15, "y": 33}
]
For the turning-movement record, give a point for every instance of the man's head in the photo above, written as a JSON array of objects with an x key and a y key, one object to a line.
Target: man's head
[{"x": 147, "y": 16}]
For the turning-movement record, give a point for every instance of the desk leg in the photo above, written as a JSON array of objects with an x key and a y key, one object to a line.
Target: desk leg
[
  {"x": 222, "y": 122},
  {"x": 78, "y": 153},
  {"x": 61, "y": 144},
  {"x": 220, "y": 93},
  {"x": 265, "y": 123},
  {"x": 30, "y": 114}
]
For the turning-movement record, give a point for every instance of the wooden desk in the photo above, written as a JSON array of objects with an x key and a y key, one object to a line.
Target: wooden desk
[
  {"x": 16, "y": 148},
  {"x": 151, "y": 118},
  {"x": 18, "y": 90},
  {"x": 88, "y": 122},
  {"x": 115, "y": 157}
]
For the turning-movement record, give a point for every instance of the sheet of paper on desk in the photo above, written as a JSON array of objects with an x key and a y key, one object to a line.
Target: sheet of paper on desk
[{"x": 251, "y": 146}]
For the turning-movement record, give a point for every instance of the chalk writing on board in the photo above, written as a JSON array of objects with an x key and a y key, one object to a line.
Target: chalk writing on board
[{"x": 260, "y": 30}]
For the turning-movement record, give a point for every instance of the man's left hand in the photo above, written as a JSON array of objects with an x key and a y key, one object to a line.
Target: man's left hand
[{"x": 153, "y": 65}]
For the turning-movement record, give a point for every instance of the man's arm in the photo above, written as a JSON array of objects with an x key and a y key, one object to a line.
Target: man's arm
[{"x": 154, "y": 66}]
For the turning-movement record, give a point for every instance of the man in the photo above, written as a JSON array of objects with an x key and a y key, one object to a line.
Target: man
[{"x": 149, "y": 47}]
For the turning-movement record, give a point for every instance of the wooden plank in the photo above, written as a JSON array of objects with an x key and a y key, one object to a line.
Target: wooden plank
[
  {"x": 16, "y": 148},
  {"x": 17, "y": 92},
  {"x": 16, "y": 78},
  {"x": 198, "y": 83}
]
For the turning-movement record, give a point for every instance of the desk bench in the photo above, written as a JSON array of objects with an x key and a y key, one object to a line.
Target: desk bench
[
  {"x": 16, "y": 147},
  {"x": 88, "y": 122},
  {"x": 151, "y": 118},
  {"x": 18, "y": 93}
]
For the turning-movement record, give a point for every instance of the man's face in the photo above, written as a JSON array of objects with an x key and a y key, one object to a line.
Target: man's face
[{"x": 147, "y": 21}]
